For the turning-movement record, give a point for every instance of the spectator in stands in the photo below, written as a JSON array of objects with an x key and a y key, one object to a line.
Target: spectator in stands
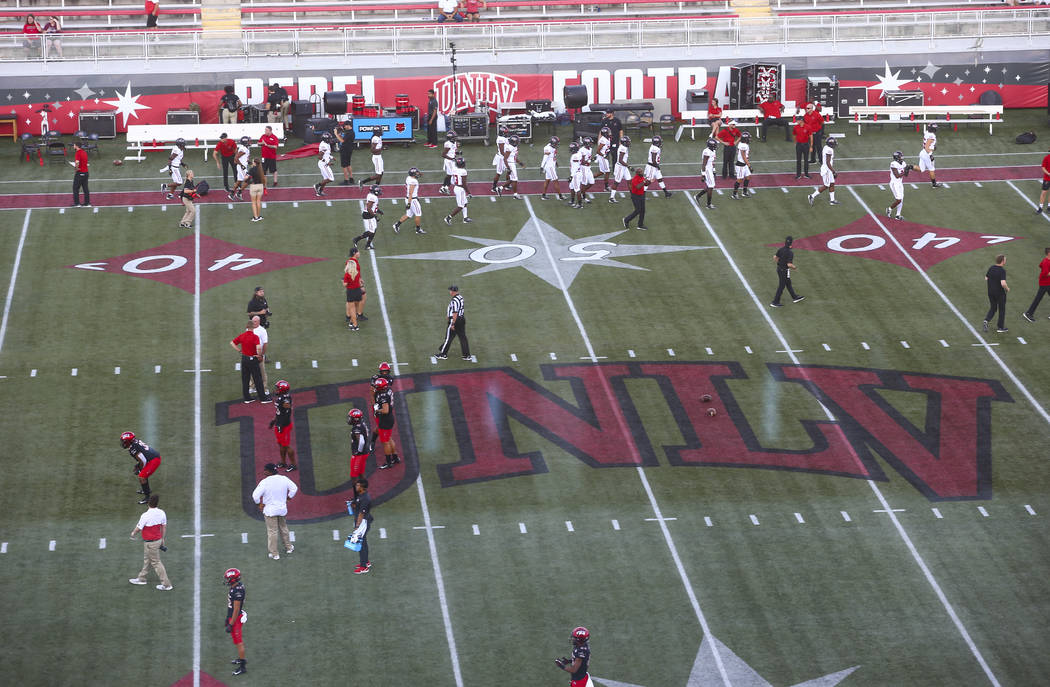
[
  {"x": 52, "y": 29},
  {"x": 471, "y": 9},
  {"x": 278, "y": 103},
  {"x": 229, "y": 105},
  {"x": 714, "y": 117},
  {"x": 448, "y": 10},
  {"x": 31, "y": 30},
  {"x": 773, "y": 115},
  {"x": 152, "y": 12}
]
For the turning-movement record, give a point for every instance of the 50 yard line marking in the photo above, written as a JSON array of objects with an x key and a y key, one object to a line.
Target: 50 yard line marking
[
  {"x": 916, "y": 556},
  {"x": 438, "y": 579},
  {"x": 690, "y": 592}
]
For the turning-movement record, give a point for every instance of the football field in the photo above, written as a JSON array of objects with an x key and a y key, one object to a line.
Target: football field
[{"x": 861, "y": 501}]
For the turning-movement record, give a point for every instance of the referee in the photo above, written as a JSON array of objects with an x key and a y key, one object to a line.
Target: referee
[{"x": 457, "y": 325}]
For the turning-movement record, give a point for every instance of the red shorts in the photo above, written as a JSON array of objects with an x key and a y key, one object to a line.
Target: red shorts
[
  {"x": 236, "y": 633},
  {"x": 583, "y": 682},
  {"x": 151, "y": 467},
  {"x": 384, "y": 434},
  {"x": 357, "y": 465},
  {"x": 283, "y": 435}
]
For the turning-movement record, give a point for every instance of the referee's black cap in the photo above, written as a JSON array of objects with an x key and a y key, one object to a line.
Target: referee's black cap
[
  {"x": 788, "y": 241},
  {"x": 454, "y": 288}
]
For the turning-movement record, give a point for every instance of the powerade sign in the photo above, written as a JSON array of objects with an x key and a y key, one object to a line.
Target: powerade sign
[{"x": 394, "y": 128}]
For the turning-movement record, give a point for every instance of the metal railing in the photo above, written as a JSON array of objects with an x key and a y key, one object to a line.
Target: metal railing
[{"x": 1029, "y": 25}]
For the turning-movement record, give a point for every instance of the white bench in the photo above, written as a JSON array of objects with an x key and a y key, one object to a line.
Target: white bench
[
  {"x": 143, "y": 137},
  {"x": 927, "y": 114},
  {"x": 744, "y": 118}
]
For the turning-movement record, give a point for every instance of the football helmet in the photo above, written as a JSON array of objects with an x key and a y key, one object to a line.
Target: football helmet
[
  {"x": 712, "y": 144},
  {"x": 375, "y": 189},
  {"x": 460, "y": 162},
  {"x": 745, "y": 136},
  {"x": 931, "y": 127},
  {"x": 354, "y": 416},
  {"x": 574, "y": 147},
  {"x": 382, "y": 384},
  {"x": 580, "y": 635},
  {"x": 126, "y": 438},
  {"x": 326, "y": 137},
  {"x": 450, "y": 135},
  {"x": 605, "y": 131},
  {"x": 180, "y": 142},
  {"x": 898, "y": 156},
  {"x": 833, "y": 142},
  {"x": 587, "y": 142},
  {"x": 413, "y": 172},
  {"x": 658, "y": 140},
  {"x": 625, "y": 141},
  {"x": 232, "y": 576},
  {"x": 377, "y": 131},
  {"x": 503, "y": 130},
  {"x": 513, "y": 140},
  {"x": 245, "y": 140},
  {"x": 384, "y": 367},
  {"x": 555, "y": 141},
  {"x": 282, "y": 386}
]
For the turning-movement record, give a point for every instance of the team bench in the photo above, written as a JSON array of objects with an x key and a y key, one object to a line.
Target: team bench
[
  {"x": 927, "y": 114},
  {"x": 744, "y": 118},
  {"x": 152, "y": 137}
]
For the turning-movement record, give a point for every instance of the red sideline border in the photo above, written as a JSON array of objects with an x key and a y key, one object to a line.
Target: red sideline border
[{"x": 677, "y": 183}]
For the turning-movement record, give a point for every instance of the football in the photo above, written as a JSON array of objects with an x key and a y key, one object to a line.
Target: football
[
  {"x": 712, "y": 412},
  {"x": 705, "y": 398},
  {"x": 118, "y": 163}
]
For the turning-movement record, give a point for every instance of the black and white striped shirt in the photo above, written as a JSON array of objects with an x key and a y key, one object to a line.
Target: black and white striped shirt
[{"x": 456, "y": 307}]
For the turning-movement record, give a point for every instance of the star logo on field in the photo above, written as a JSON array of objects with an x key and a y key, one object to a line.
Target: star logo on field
[
  {"x": 543, "y": 250},
  {"x": 730, "y": 669},
  {"x": 127, "y": 104},
  {"x": 84, "y": 92},
  {"x": 888, "y": 81}
]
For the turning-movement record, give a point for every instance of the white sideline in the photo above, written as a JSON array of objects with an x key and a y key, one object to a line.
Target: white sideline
[
  {"x": 916, "y": 556},
  {"x": 641, "y": 471},
  {"x": 438, "y": 578},
  {"x": 197, "y": 455},
  {"x": 14, "y": 277}
]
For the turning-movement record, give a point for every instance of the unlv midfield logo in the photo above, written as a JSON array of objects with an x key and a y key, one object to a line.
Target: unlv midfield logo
[
  {"x": 947, "y": 458},
  {"x": 466, "y": 90}
]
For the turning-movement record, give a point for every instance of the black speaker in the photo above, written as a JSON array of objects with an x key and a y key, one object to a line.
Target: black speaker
[
  {"x": 538, "y": 106},
  {"x": 335, "y": 102},
  {"x": 103, "y": 123},
  {"x": 254, "y": 114},
  {"x": 315, "y": 126},
  {"x": 697, "y": 96},
  {"x": 575, "y": 97},
  {"x": 301, "y": 108}
]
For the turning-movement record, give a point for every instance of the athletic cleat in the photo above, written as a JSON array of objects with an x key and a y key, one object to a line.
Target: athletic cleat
[
  {"x": 397, "y": 227},
  {"x": 640, "y": 227},
  {"x": 899, "y": 218},
  {"x": 984, "y": 326},
  {"x": 1024, "y": 315},
  {"x": 291, "y": 468},
  {"x": 667, "y": 194},
  {"x": 419, "y": 230},
  {"x": 362, "y": 569},
  {"x": 466, "y": 357},
  {"x": 274, "y": 556},
  {"x": 241, "y": 670},
  {"x": 448, "y": 220},
  {"x": 833, "y": 202},
  {"x": 711, "y": 207},
  {"x": 810, "y": 199},
  {"x": 369, "y": 246},
  {"x": 625, "y": 225},
  {"x": 163, "y": 588},
  {"x": 443, "y": 190},
  {"x": 586, "y": 200},
  {"x": 775, "y": 305},
  {"x": 289, "y": 549},
  {"x": 361, "y": 183},
  {"x": 498, "y": 191},
  {"x": 169, "y": 196},
  {"x": 362, "y": 317},
  {"x": 344, "y": 182},
  {"x": 732, "y": 196},
  {"x": 935, "y": 185},
  {"x": 386, "y": 465},
  {"x": 144, "y": 501},
  {"x": 467, "y": 220},
  {"x": 317, "y": 189},
  {"x": 230, "y": 195},
  {"x": 354, "y": 328},
  {"x": 1039, "y": 210},
  {"x": 441, "y": 356},
  {"x": 543, "y": 196},
  {"x": 796, "y": 299},
  {"x": 517, "y": 197},
  {"x": 613, "y": 200},
  {"x": 135, "y": 580},
  {"x": 255, "y": 219},
  {"x": 1002, "y": 330},
  {"x": 889, "y": 212}
]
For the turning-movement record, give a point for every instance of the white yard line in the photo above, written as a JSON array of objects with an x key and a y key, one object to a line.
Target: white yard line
[
  {"x": 438, "y": 578},
  {"x": 1044, "y": 215},
  {"x": 197, "y": 453},
  {"x": 690, "y": 592},
  {"x": 14, "y": 277},
  {"x": 916, "y": 556}
]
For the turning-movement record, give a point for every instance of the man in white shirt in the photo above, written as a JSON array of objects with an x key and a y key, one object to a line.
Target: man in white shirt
[
  {"x": 272, "y": 495},
  {"x": 621, "y": 172},
  {"x": 549, "y": 165},
  {"x": 264, "y": 341},
  {"x": 929, "y": 144},
  {"x": 152, "y": 524},
  {"x": 412, "y": 207},
  {"x": 324, "y": 163},
  {"x": 827, "y": 173},
  {"x": 174, "y": 168}
]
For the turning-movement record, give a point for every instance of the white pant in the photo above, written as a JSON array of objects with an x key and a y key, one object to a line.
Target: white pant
[
  {"x": 512, "y": 171},
  {"x": 242, "y": 173},
  {"x": 461, "y": 196},
  {"x": 926, "y": 162},
  {"x": 370, "y": 225},
  {"x": 743, "y": 171},
  {"x": 826, "y": 177},
  {"x": 449, "y": 166},
  {"x": 176, "y": 175},
  {"x": 621, "y": 173},
  {"x": 652, "y": 173},
  {"x": 377, "y": 163},
  {"x": 603, "y": 165},
  {"x": 499, "y": 163},
  {"x": 588, "y": 176},
  {"x": 326, "y": 170},
  {"x": 550, "y": 172},
  {"x": 897, "y": 189},
  {"x": 709, "y": 178},
  {"x": 574, "y": 182},
  {"x": 412, "y": 208}
]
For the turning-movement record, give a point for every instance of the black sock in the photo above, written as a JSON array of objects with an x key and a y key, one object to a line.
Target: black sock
[
  {"x": 736, "y": 186},
  {"x": 358, "y": 238},
  {"x": 447, "y": 181}
]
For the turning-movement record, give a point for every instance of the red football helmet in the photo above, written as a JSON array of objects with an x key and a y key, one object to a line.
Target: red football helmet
[
  {"x": 231, "y": 576},
  {"x": 126, "y": 438},
  {"x": 282, "y": 386},
  {"x": 354, "y": 416},
  {"x": 382, "y": 384},
  {"x": 580, "y": 635},
  {"x": 384, "y": 367}
]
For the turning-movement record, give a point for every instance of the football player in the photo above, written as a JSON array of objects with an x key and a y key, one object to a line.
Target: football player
[
  {"x": 743, "y": 165},
  {"x": 147, "y": 461},
  {"x": 235, "y": 616},
  {"x": 459, "y": 188},
  {"x": 383, "y": 409},
  {"x": 369, "y": 216},
  {"x": 376, "y": 144},
  {"x": 412, "y": 207},
  {"x": 549, "y": 165},
  {"x": 178, "y": 151},
  {"x": 652, "y": 165},
  {"x": 621, "y": 172},
  {"x": 586, "y": 173},
  {"x": 827, "y": 172},
  {"x": 512, "y": 165},
  {"x": 240, "y": 163},
  {"x": 448, "y": 160},
  {"x": 898, "y": 170},
  {"x": 324, "y": 163},
  {"x": 707, "y": 171},
  {"x": 359, "y": 444},
  {"x": 929, "y": 143},
  {"x": 499, "y": 160},
  {"x": 281, "y": 425},
  {"x": 575, "y": 174},
  {"x": 576, "y": 666},
  {"x": 602, "y": 154}
]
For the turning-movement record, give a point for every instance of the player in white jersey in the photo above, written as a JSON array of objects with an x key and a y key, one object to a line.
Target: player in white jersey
[
  {"x": 549, "y": 165},
  {"x": 575, "y": 175},
  {"x": 898, "y": 170},
  {"x": 174, "y": 168},
  {"x": 499, "y": 160},
  {"x": 621, "y": 172},
  {"x": 459, "y": 189},
  {"x": 240, "y": 165},
  {"x": 376, "y": 144},
  {"x": 929, "y": 143},
  {"x": 412, "y": 207},
  {"x": 512, "y": 162},
  {"x": 601, "y": 153},
  {"x": 324, "y": 163},
  {"x": 585, "y": 172},
  {"x": 707, "y": 171},
  {"x": 448, "y": 160},
  {"x": 370, "y": 216},
  {"x": 652, "y": 165},
  {"x": 743, "y": 165},
  {"x": 827, "y": 172}
]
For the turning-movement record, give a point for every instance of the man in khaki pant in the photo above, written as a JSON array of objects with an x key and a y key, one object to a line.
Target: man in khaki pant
[
  {"x": 189, "y": 196},
  {"x": 152, "y": 525},
  {"x": 272, "y": 495}
]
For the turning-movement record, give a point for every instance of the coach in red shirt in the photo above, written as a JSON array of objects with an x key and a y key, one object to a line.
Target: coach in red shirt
[
  {"x": 1044, "y": 282},
  {"x": 638, "y": 184},
  {"x": 226, "y": 151},
  {"x": 247, "y": 344},
  {"x": 268, "y": 143},
  {"x": 803, "y": 141},
  {"x": 1040, "y": 208},
  {"x": 815, "y": 121},
  {"x": 80, "y": 176},
  {"x": 728, "y": 135},
  {"x": 772, "y": 115}
]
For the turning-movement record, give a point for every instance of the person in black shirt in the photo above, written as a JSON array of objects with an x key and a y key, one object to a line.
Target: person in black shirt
[
  {"x": 258, "y": 306},
  {"x": 577, "y": 665},
  {"x": 147, "y": 460},
  {"x": 359, "y": 444},
  {"x": 229, "y": 104},
  {"x": 997, "y": 290},
  {"x": 383, "y": 409},
  {"x": 277, "y": 102},
  {"x": 784, "y": 260},
  {"x": 432, "y": 119},
  {"x": 281, "y": 425},
  {"x": 344, "y": 134},
  {"x": 361, "y": 507},
  {"x": 188, "y": 195},
  {"x": 615, "y": 129},
  {"x": 235, "y": 617}
]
